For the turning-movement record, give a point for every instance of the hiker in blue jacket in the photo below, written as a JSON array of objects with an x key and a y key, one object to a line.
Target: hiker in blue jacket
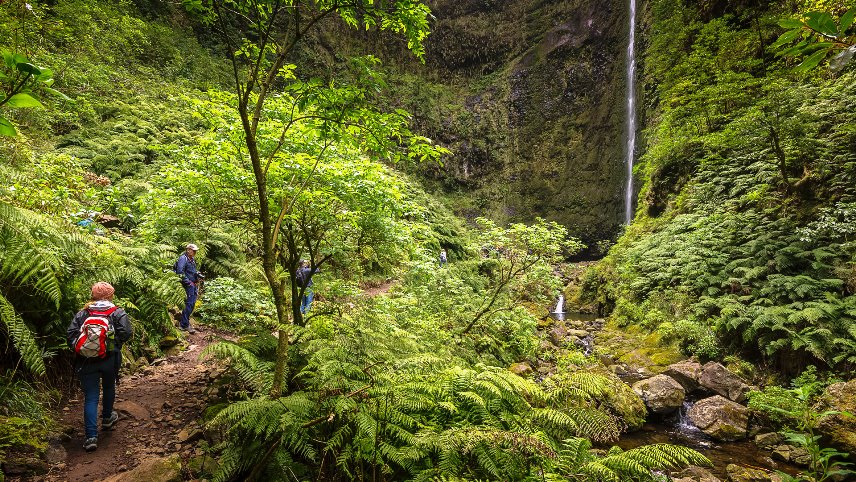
[
  {"x": 304, "y": 280},
  {"x": 186, "y": 268}
]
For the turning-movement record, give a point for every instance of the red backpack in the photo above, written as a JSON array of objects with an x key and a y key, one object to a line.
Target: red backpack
[{"x": 96, "y": 334}]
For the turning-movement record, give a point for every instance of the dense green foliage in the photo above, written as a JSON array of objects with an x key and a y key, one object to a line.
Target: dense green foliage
[
  {"x": 793, "y": 409},
  {"x": 741, "y": 242}
]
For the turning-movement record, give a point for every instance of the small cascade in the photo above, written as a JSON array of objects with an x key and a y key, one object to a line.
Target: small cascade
[
  {"x": 586, "y": 344},
  {"x": 560, "y": 305},
  {"x": 685, "y": 427},
  {"x": 631, "y": 114}
]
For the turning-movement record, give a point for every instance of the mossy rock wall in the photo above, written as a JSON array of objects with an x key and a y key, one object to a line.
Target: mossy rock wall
[{"x": 530, "y": 97}]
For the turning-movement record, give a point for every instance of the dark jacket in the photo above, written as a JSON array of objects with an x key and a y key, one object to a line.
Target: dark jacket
[
  {"x": 119, "y": 319},
  {"x": 186, "y": 268},
  {"x": 306, "y": 274}
]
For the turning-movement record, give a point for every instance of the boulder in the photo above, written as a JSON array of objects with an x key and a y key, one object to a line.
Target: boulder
[
  {"x": 720, "y": 418},
  {"x": 841, "y": 429},
  {"x": 769, "y": 440},
  {"x": 55, "y": 454},
  {"x": 694, "y": 473},
  {"x": 739, "y": 473},
  {"x": 558, "y": 334},
  {"x": 161, "y": 469},
  {"x": 24, "y": 464},
  {"x": 719, "y": 380},
  {"x": 792, "y": 454},
  {"x": 578, "y": 333},
  {"x": 203, "y": 465},
  {"x": 686, "y": 373},
  {"x": 168, "y": 341},
  {"x": 522, "y": 369},
  {"x": 661, "y": 393}
]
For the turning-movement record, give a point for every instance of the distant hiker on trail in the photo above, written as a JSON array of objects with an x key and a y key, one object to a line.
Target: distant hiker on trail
[
  {"x": 186, "y": 268},
  {"x": 96, "y": 334},
  {"x": 443, "y": 258},
  {"x": 304, "y": 280}
]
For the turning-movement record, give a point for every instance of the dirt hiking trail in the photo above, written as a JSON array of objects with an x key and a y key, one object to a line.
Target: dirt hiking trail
[{"x": 159, "y": 414}]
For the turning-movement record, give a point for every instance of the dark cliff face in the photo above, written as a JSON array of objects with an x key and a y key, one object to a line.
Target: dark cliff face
[
  {"x": 534, "y": 108},
  {"x": 530, "y": 97}
]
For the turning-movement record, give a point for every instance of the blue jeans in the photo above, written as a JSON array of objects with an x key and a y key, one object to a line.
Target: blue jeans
[
  {"x": 96, "y": 375},
  {"x": 308, "y": 295},
  {"x": 189, "y": 303}
]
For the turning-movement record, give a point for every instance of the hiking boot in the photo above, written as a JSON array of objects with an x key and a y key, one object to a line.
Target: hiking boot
[
  {"x": 191, "y": 330},
  {"x": 90, "y": 444},
  {"x": 108, "y": 423}
]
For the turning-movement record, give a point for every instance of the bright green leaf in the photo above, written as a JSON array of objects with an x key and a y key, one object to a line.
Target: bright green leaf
[
  {"x": 28, "y": 68},
  {"x": 811, "y": 61},
  {"x": 846, "y": 21},
  {"x": 22, "y": 100},
  {"x": 790, "y": 23},
  {"x": 46, "y": 75},
  {"x": 57, "y": 93},
  {"x": 6, "y": 128},
  {"x": 786, "y": 38},
  {"x": 821, "y": 22}
]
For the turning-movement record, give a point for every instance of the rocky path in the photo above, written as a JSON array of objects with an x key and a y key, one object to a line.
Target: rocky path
[{"x": 159, "y": 409}]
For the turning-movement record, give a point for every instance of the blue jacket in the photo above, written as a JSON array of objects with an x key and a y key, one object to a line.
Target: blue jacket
[
  {"x": 306, "y": 274},
  {"x": 186, "y": 268}
]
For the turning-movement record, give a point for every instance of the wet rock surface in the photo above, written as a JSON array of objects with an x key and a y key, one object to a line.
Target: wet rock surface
[{"x": 720, "y": 418}]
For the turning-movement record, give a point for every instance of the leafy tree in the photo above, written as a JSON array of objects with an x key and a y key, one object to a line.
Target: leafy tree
[
  {"x": 259, "y": 37},
  {"x": 512, "y": 252}
]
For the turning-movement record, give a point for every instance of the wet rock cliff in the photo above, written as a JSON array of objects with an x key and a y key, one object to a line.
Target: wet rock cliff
[{"x": 530, "y": 97}]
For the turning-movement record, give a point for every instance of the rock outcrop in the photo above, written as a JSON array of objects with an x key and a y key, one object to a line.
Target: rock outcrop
[
  {"x": 661, "y": 394},
  {"x": 718, "y": 379},
  {"x": 720, "y": 418}
]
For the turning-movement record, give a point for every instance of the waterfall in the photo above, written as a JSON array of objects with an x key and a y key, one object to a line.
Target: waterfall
[
  {"x": 631, "y": 114},
  {"x": 560, "y": 305}
]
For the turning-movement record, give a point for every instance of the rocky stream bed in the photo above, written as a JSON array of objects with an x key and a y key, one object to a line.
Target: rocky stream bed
[{"x": 696, "y": 405}]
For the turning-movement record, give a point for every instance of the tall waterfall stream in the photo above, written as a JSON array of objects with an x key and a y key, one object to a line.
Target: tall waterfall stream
[{"x": 631, "y": 114}]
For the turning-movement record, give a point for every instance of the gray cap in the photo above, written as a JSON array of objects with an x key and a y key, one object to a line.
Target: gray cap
[{"x": 193, "y": 247}]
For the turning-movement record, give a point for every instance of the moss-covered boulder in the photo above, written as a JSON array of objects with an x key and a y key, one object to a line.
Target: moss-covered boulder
[
  {"x": 720, "y": 418},
  {"x": 741, "y": 473},
  {"x": 841, "y": 428},
  {"x": 202, "y": 466},
  {"x": 161, "y": 469}
]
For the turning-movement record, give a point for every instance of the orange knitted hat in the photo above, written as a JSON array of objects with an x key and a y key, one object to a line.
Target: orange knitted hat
[{"x": 102, "y": 290}]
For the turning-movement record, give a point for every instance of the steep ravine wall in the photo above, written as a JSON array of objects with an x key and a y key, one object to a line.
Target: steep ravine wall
[
  {"x": 530, "y": 97},
  {"x": 531, "y": 100}
]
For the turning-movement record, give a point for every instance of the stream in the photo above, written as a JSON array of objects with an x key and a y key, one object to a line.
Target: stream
[{"x": 676, "y": 428}]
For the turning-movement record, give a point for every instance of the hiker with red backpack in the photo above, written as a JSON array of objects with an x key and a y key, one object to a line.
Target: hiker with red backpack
[{"x": 96, "y": 334}]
